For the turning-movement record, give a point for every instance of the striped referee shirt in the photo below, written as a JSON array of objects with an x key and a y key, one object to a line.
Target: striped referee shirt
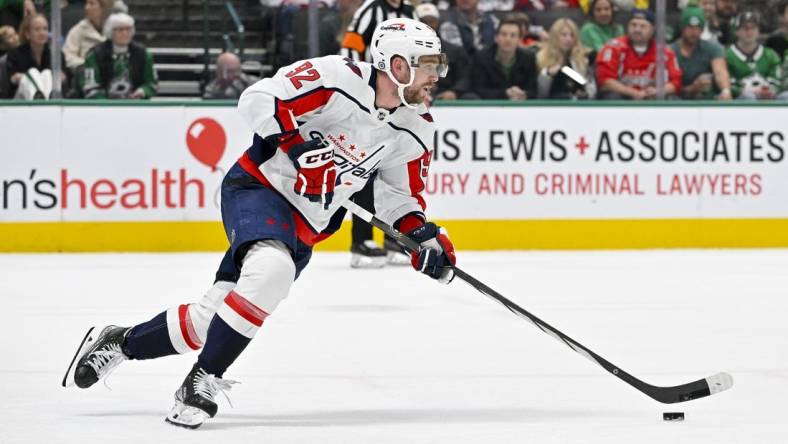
[{"x": 366, "y": 18}]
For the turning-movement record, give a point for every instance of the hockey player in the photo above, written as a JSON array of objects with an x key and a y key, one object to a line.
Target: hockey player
[{"x": 323, "y": 128}]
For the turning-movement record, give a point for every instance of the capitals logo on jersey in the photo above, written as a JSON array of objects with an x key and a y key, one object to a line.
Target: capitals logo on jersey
[{"x": 350, "y": 158}]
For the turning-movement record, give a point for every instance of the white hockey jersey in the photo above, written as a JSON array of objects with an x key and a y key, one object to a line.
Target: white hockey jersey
[{"x": 333, "y": 98}]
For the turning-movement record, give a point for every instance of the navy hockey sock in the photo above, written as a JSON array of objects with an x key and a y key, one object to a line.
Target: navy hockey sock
[
  {"x": 149, "y": 340},
  {"x": 222, "y": 347}
]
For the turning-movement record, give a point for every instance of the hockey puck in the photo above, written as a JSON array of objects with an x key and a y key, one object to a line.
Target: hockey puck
[{"x": 673, "y": 416}]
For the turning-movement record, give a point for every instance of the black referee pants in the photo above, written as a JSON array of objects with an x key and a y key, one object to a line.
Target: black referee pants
[{"x": 365, "y": 198}]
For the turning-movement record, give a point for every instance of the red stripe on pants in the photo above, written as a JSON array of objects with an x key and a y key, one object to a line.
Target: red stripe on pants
[
  {"x": 245, "y": 309},
  {"x": 187, "y": 328}
]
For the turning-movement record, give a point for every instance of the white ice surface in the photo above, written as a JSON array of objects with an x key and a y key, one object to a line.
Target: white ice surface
[{"x": 388, "y": 356}]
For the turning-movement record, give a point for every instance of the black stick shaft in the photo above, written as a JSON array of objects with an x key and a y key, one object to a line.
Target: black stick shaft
[{"x": 693, "y": 390}]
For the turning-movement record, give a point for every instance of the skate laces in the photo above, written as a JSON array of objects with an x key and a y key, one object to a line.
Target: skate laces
[
  {"x": 206, "y": 385},
  {"x": 105, "y": 360}
]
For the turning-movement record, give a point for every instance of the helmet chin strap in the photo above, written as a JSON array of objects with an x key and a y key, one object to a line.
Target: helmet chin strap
[{"x": 401, "y": 86}]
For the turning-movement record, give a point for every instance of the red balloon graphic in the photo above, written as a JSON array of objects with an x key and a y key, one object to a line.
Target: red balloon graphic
[{"x": 206, "y": 141}]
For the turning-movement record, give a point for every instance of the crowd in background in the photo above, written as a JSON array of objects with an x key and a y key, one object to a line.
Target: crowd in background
[
  {"x": 716, "y": 51},
  {"x": 99, "y": 58},
  {"x": 602, "y": 49}
]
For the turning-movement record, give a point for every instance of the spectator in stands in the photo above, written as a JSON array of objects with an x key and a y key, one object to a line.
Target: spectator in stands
[
  {"x": 784, "y": 94},
  {"x": 755, "y": 69},
  {"x": 229, "y": 80},
  {"x": 334, "y": 24},
  {"x": 366, "y": 18},
  {"x": 88, "y": 32},
  {"x": 779, "y": 40},
  {"x": 119, "y": 68},
  {"x": 498, "y": 5},
  {"x": 626, "y": 67},
  {"x": 563, "y": 49},
  {"x": 702, "y": 63},
  {"x": 726, "y": 15},
  {"x": 622, "y": 5},
  {"x": 531, "y": 35},
  {"x": 457, "y": 82},
  {"x": 542, "y": 5},
  {"x": 9, "y": 39},
  {"x": 29, "y": 65},
  {"x": 600, "y": 28},
  {"x": 13, "y": 11},
  {"x": 711, "y": 32},
  {"x": 466, "y": 26},
  {"x": 504, "y": 70},
  {"x": 428, "y": 14}
]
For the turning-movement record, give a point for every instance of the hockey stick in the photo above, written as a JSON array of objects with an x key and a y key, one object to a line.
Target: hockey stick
[{"x": 666, "y": 395}]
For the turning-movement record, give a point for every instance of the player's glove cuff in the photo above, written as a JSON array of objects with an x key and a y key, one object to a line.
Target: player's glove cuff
[{"x": 435, "y": 257}]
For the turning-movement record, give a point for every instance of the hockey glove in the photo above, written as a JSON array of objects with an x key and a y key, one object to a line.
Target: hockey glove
[
  {"x": 435, "y": 257},
  {"x": 315, "y": 170}
]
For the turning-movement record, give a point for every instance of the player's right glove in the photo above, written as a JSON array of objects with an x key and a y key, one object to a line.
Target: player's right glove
[
  {"x": 315, "y": 170},
  {"x": 435, "y": 257}
]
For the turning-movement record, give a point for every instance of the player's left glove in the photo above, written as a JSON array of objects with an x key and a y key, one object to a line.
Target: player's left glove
[
  {"x": 435, "y": 257},
  {"x": 316, "y": 173}
]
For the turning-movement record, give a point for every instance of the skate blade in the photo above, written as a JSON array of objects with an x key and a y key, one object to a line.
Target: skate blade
[
  {"x": 185, "y": 426},
  {"x": 87, "y": 341},
  {"x": 185, "y": 416},
  {"x": 359, "y": 261}
]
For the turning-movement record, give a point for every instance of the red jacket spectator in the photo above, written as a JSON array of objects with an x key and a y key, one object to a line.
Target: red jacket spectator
[{"x": 618, "y": 60}]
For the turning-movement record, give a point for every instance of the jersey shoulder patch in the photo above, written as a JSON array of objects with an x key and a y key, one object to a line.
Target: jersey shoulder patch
[{"x": 353, "y": 67}]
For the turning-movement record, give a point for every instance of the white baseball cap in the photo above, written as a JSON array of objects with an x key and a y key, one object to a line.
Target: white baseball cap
[{"x": 427, "y": 10}]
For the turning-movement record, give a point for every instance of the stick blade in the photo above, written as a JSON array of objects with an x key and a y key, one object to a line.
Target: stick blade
[
  {"x": 720, "y": 382},
  {"x": 693, "y": 390}
]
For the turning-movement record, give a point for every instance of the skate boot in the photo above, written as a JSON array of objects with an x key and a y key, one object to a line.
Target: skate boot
[
  {"x": 98, "y": 354},
  {"x": 395, "y": 253},
  {"x": 367, "y": 255},
  {"x": 194, "y": 400}
]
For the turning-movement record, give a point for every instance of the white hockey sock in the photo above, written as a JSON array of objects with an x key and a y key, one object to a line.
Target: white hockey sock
[{"x": 187, "y": 324}]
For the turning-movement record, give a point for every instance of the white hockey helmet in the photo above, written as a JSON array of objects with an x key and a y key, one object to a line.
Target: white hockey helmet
[{"x": 411, "y": 40}]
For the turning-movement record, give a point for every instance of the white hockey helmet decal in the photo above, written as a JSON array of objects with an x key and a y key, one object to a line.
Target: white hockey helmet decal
[{"x": 411, "y": 40}]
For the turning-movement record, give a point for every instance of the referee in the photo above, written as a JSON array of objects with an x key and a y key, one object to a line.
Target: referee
[{"x": 366, "y": 18}]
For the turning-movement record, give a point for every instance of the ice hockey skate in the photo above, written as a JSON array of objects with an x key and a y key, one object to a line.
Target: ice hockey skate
[
  {"x": 194, "y": 400},
  {"x": 98, "y": 354},
  {"x": 367, "y": 254},
  {"x": 395, "y": 254}
]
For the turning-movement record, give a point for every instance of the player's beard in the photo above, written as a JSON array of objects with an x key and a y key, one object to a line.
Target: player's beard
[{"x": 415, "y": 94}]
